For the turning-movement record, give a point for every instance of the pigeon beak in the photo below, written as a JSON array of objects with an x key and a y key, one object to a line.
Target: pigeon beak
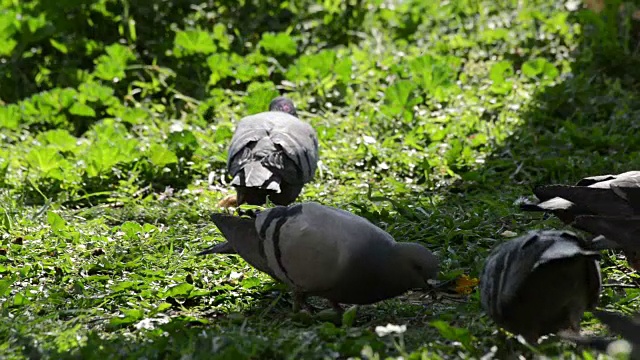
[
  {"x": 433, "y": 284},
  {"x": 442, "y": 285}
]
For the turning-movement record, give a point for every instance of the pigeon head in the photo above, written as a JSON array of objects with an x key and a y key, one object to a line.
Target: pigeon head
[
  {"x": 418, "y": 264},
  {"x": 283, "y": 104}
]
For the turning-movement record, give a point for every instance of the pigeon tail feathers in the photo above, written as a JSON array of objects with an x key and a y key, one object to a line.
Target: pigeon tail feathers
[
  {"x": 254, "y": 174},
  {"x": 241, "y": 233},
  {"x": 224, "y": 248}
]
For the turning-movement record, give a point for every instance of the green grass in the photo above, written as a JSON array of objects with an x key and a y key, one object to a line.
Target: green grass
[{"x": 432, "y": 119}]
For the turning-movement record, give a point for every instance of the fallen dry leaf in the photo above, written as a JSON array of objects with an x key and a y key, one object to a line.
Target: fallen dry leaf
[
  {"x": 466, "y": 284},
  {"x": 594, "y": 5},
  {"x": 227, "y": 202}
]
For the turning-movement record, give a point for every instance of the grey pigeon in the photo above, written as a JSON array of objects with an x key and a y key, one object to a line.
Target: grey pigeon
[
  {"x": 623, "y": 231},
  {"x": 617, "y": 195},
  {"x": 626, "y": 327},
  {"x": 540, "y": 283},
  {"x": 582, "y": 206},
  {"x": 327, "y": 252},
  {"x": 272, "y": 154}
]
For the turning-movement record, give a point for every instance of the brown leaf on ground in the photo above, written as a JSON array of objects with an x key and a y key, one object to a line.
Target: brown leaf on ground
[
  {"x": 227, "y": 202},
  {"x": 466, "y": 284}
]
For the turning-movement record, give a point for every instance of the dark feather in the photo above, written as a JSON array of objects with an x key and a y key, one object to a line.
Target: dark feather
[
  {"x": 223, "y": 248},
  {"x": 621, "y": 325},
  {"x": 540, "y": 283},
  {"x": 622, "y": 230},
  {"x": 241, "y": 233}
]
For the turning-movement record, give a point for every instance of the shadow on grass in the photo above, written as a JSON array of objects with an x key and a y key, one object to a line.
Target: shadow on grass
[{"x": 585, "y": 124}]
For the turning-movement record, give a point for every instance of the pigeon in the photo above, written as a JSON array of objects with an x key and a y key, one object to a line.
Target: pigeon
[
  {"x": 323, "y": 251},
  {"x": 272, "y": 155},
  {"x": 624, "y": 232},
  {"x": 586, "y": 205},
  {"x": 540, "y": 283},
  {"x": 617, "y": 195},
  {"x": 628, "y": 328}
]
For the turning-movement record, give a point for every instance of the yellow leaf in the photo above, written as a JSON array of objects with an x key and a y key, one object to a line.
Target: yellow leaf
[
  {"x": 228, "y": 201},
  {"x": 465, "y": 284}
]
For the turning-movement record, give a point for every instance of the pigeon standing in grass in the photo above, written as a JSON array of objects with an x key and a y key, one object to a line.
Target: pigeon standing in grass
[
  {"x": 327, "y": 252},
  {"x": 606, "y": 205},
  {"x": 272, "y": 155},
  {"x": 627, "y": 327},
  {"x": 540, "y": 283}
]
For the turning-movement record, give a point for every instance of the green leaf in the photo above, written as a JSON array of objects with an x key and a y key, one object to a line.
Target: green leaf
[
  {"x": 47, "y": 161},
  {"x": 59, "y": 46},
  {"x": 93, "y": 91},
  {"x": 10, "y": 117},
  {"x": 36, "y": 23},
  {"x": 500, "y": 71},
  {"x": 56, "y": 221},
  {"x": 163, "y": 306},
  {"x": 399, "y": 99},
  {"x": 221, "y": 36},
  {"x": 132, "y": 29},
  {"x": 251, "y": 282},
  {"x": 119, "y": 53},
  {"x": 5, "y": 286},
  {"x": 59, "y": 139},
  {"x": 160, "y": 156},
  {"x": 133, "y": 116},
  {"x": 278, "y": 44},
  {"x": 193, "y": 42},
  {"x": 220, "y": 67},
  {"x": 180, "y": 290},
  {"x": 131, "y": 229},
  {"x": 437, "y": 76},
  {"x": 313, "y": 67},
  {"x": 343, "y": 69},
  {"x": 123, "y": 286},
  {"x": 148, "y": 228},
  {"x": 129, "y": 316},
  {"x": 535, "y": 68},
  {"x": 183, "y": 143},
  {"x": 349, "y": 316},
  {"x": 112, "y": 66},
  {"x": 7, "y": 46},
  {"x": 252, "y": 66},
  {"x": 492, "y": 36},
  {"x": 452, "y": 333},
  {"x": 81, "y": 109},
  {"x": 259, "y": 97},
  {"x": 499, "y": 74},
  {"x": 5, "y": 220},
  {"x": 20, "y": 300}
]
